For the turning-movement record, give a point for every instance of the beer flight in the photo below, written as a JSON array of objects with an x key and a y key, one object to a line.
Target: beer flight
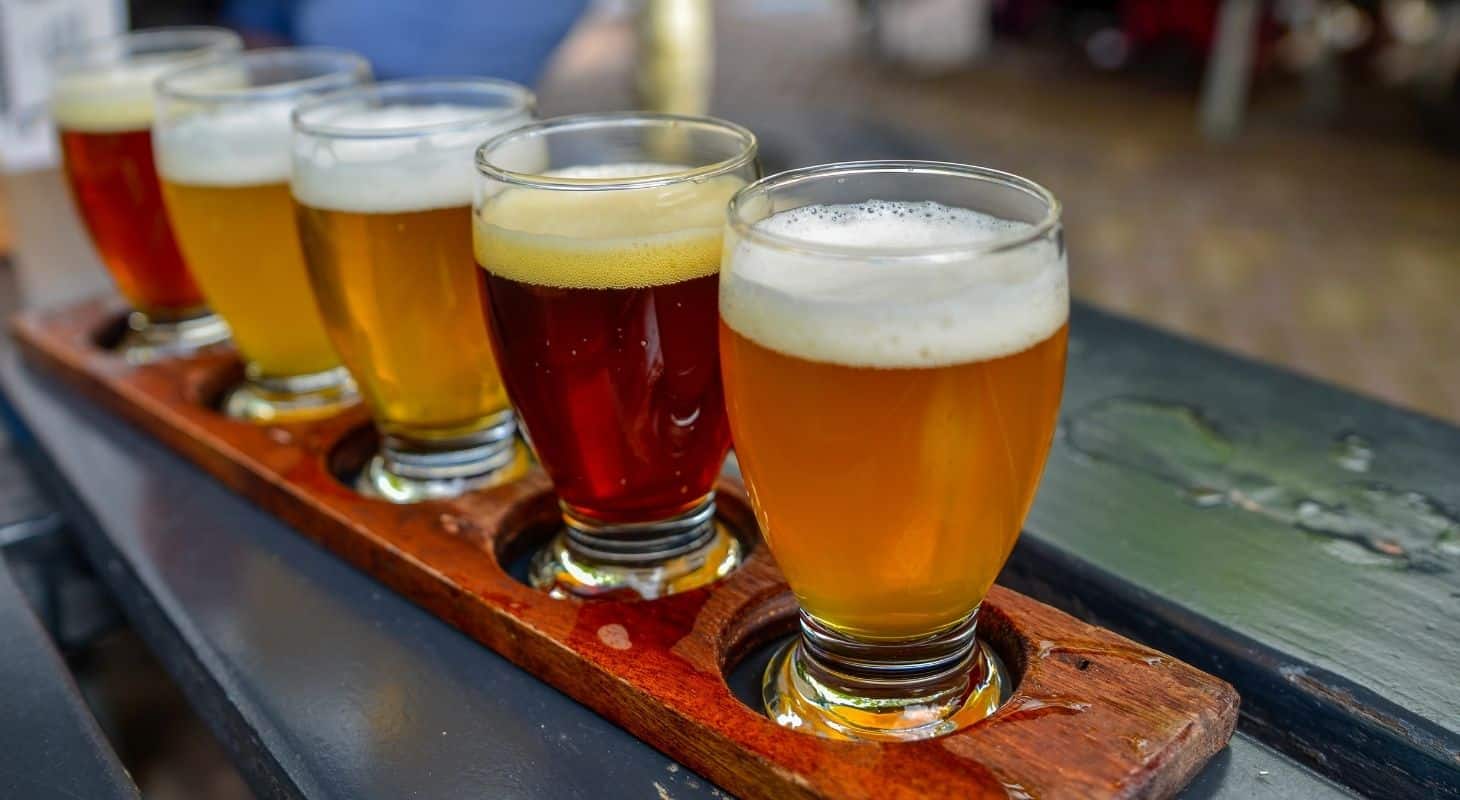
[{"x": 884, "y": 341}]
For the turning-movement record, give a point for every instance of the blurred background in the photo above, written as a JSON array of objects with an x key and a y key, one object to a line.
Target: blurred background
[{"x": 1280, "y": 178}]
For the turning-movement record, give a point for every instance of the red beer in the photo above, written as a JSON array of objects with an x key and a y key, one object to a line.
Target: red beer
[
  {"x": 599, "y": 238},
  {"x": 102, "y": 103},
  {"x": 115, "y": 185},
  {"x": 619, "y": 389}
]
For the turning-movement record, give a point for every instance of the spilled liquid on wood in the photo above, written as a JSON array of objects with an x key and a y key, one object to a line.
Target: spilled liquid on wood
[
  {"x": 1143, "y": 655},
  {"x": 1361, "y": 522},
  {"x": 1016, "y": 791},
  {"x": 1026, "y": 707}
]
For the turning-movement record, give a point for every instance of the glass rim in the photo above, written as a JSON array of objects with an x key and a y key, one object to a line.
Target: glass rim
[
  {"x": 1038, "y": 230},
  {"x": 617, "y": 119},
  {"x": 405, "y": 88},
  {"x": 204, "y": 38},
  {"x": 347, "y": 65}
]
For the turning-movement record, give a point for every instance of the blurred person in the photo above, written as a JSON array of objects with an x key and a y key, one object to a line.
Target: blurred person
[{"x": 508, "y": 39}]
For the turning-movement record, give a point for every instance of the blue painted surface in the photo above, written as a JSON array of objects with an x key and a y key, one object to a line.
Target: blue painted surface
[{"x": 51, "y": 747}]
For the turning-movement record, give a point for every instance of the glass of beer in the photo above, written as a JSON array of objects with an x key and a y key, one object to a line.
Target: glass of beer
[
  {"x": 223, "y": 151},
  {"x": 383, "y": 185},
  {"x": 101, "y": 99},
  {"x": 599, "y": 239},
  {"x": 892, "y": 336}
]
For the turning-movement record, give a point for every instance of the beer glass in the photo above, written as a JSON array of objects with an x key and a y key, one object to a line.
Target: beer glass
[
  {"x": 101, "y": 99},
  {"x": 383, "y": 185},
  {"x": 222, "y": 133},
  {"x": 599, "y": 239},
  {"x": 893, "y": 344}
]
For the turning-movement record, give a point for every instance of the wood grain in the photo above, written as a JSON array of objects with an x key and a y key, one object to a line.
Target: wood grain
[{"x": 1093, "y": 715}]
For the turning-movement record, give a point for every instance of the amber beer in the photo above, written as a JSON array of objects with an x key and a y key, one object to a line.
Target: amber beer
[
  {"x": 223, "y": 151},
  {"x": 599, "y": 238},
  {"x": 953, "y": 451},
  {"x": 383, "y": 187},
  {"x": 895, "y": 453},
  {"x": 103, "y": 107},
  {"x": 893, "y": 373}
]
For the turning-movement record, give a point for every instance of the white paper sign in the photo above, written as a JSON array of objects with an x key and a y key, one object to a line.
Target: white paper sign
[{"x": 31, "y": 31}]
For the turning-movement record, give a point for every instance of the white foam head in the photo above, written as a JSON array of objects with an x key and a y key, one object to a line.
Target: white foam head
[
  {"x": 244, "y": 144},
  {"x": 106, "y": 85},
  {"x": 849, "y": 290},
  {"x": 109, "y": 98},
  {"x": 417, "y": 170}
]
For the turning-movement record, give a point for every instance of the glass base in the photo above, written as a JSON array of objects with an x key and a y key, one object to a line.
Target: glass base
[
  {"x": 407, "y": 471},
  {"x": 641, "y": 562},
  {"x": 294, "y": 399},
  {"x": 147, "y": 339},
  {"x": 881, "y": 702}
]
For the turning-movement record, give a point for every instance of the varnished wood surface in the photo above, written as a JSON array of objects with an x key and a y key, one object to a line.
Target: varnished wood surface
[{"x": 1145, "y": 722}]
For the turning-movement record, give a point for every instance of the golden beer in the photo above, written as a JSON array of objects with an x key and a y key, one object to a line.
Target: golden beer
[
  {"x": 382, "y": 187},
  {"x": 399, "y": 298},
  {"x": 244, "y": 247},
  {"x": 222, "y": 137},
  {"x": 893, "y": 370}
]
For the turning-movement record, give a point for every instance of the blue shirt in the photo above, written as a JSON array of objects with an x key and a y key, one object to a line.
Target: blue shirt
[{"x": 510, "y": 39}]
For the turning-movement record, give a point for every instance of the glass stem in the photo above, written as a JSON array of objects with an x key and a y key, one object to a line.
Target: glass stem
[
  {"x": 478, "y": 453},
  {"x": 640, "y": 545},
  {"x": 924, "y": 669}
]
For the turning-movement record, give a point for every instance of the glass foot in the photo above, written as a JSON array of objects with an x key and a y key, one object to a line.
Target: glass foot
[
  {"x": 666, "y": 558},
  {"x": 294, "y": 399},
  {"x": 148, "y": 340},
  {"x": 380, "y": 481},
  {"x": 796, "y": 699}
]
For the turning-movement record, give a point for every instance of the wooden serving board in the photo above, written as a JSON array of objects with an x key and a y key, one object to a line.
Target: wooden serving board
[{"x": 1092, "y": 715}]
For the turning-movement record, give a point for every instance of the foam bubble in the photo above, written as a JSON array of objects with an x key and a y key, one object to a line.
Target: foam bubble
[
  {"x": 611, "y": 239},
  {"x": 412, "y": 172},
  {"x": 893, "y": 312},
  {"x": 109, "y": 99},
  {"x": 232, "y": 145}
]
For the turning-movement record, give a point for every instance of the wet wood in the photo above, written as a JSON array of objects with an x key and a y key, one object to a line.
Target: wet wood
[{"x": 1092, "y": 715}]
